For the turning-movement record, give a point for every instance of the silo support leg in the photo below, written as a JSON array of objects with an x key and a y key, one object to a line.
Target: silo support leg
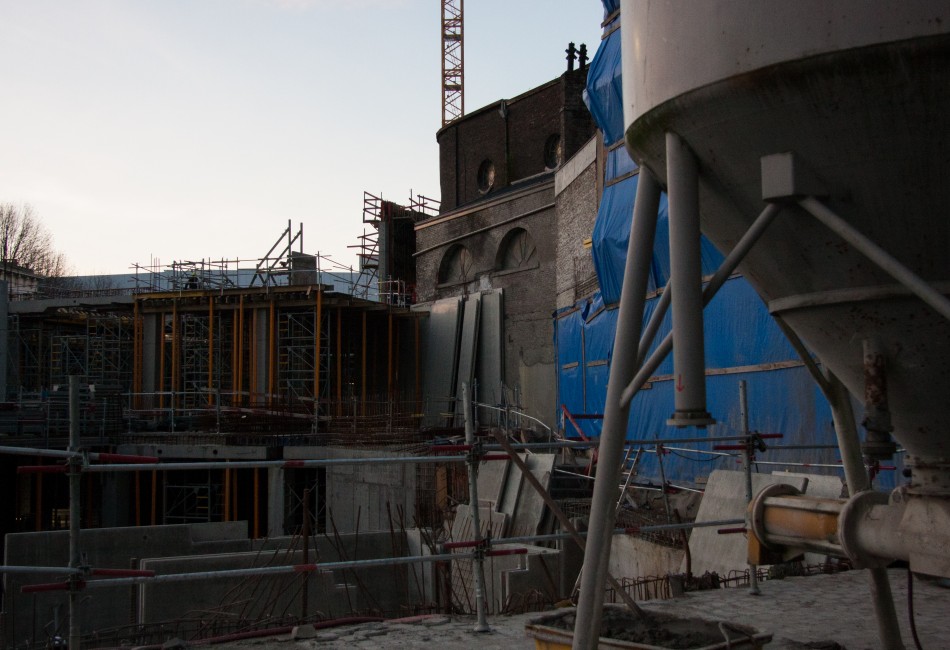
[
  {"x": 856, "y": 476},
  {"x": 858, "y": 481},
  {"x": 878, "y": 255},
  {"x": 614, "y": 432},
  {"x": 686, "y": 278}
]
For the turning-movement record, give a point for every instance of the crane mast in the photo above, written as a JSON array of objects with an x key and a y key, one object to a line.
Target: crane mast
[{"x": 453, "y": 96}]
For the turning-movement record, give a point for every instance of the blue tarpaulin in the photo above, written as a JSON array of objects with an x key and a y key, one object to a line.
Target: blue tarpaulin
[
  {"x": 604, "y": 93},
  {"x": 742, "y": 340},
  {"x": 612, "y": 233},
  {"x": 742, "y": 343}
]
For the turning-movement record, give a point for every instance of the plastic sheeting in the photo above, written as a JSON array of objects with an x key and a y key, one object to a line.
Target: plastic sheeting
[
  {"x": 742, "y": 343},
  {"x": 610, "y": 6},
  {"x": 612, "y": 233},
  {"x": 604, "y": 93},
  {"x": 619, "y": 163}
]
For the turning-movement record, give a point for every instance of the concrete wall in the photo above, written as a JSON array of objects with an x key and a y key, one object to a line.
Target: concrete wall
[
  {"x": 633, "y": 557},
  {"x": 361, "y": 497},
  {"x": 27, "y": 614},
  {"x": 381, "y": 589},
  {"x": 536, "y": 580},
  {"x": 201, "y": 548}
]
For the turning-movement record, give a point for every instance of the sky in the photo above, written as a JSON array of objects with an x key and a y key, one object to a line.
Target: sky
[{"x": 145, "y": 132}]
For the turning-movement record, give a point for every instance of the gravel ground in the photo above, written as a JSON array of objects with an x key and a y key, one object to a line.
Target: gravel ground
[{"x": 827, "y": 612}]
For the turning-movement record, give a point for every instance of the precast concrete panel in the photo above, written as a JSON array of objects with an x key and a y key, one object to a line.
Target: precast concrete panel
[
  {"x": 440, "y": 360},
  {"x": 489, "y": 368},
  {"x": 468, "y": 346}
]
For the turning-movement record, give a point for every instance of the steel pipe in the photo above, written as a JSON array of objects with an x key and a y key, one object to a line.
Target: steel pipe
[
  {"x": 75, "y": 484},
  {"x": 284, "y": 464},
  {"x": 656, "y": 319},
  {"x": 481, "y": 622},
  {"x": 878, "y": 255},
  {"x": 686, "y": 278},
  {"x": 616, "y": 414},
  {"x": 728, "y": 266}
]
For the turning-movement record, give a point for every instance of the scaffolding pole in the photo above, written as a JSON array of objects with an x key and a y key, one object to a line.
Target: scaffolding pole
[{"x": 75, "y": 486}]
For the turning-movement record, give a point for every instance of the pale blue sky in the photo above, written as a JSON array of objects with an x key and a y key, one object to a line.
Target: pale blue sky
[{"x": 170, "y": 130}]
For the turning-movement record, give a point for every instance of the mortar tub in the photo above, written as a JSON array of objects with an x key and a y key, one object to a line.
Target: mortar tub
[{"x": 548, "y": 636}]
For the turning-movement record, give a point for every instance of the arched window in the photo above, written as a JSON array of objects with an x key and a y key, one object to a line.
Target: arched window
[
  {"x": 486, "y": 176},
  {"x": 456, "y": 265},
  {"x": 517, "y": 251},
  {"x": 553, "y": 152}
]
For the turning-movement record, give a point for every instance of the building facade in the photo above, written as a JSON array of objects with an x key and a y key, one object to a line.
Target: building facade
[{"x": 495, "y": 239}]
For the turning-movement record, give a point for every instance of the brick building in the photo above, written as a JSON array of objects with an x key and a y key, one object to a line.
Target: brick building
[{"x": 493, "y": 248}]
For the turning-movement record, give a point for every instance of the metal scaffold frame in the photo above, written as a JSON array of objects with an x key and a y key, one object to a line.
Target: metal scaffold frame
[
  {"x": 297, "y": 356},
  {"x": 479, "y": 549},
  {"x": 195, "y": 358},
  {"x": 380, "y": 252},
  {"x": 109, "y": 362}
]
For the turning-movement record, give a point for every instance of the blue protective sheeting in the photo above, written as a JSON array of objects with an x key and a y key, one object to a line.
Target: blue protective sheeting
[
  {"x": 610, "y": 6},
  {"x": 619, "y": 163},
  {"x": 742, "y": 343},
  {"x": 612, "y": 232}
]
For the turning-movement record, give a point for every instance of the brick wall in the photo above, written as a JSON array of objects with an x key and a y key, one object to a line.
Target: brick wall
[
  {"x": 576, "y": 212},
  {"x": 515, "y": 135},
  {"x": 512, "y": 134}
]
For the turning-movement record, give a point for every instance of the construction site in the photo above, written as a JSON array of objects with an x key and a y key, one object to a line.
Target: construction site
[{"x": 655, "y": 340}]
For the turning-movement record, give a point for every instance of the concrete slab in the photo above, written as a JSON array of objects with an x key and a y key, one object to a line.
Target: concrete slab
[
  {"x": 509, "y": 499},
  {"x": 814, "y": 609},
  {"x": 492, "y": 481},
  {"x": 819, "y": 485},
  {"x": 441, "y": 334},
  {"x": 531, "y": 507},
  {"x": 490, "y": 364},
  {"x": 725, "y": 499},
  {"x": 468, "y": 345}
]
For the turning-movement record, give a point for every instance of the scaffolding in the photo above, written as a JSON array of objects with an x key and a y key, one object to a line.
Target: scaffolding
[
  {"x": 297, "y": 356},
  {"x": 270, "y": 268},
  {"x": 197, "y": 496},
  {"x": 28, "y": 366},
  {"x": 109, "y": 359},
  {"x": 387, "y": 269},
  {"x": 193, "y": 497},
  {"x": 67, "y": 357},
  {"x": 195, "y": 359}
]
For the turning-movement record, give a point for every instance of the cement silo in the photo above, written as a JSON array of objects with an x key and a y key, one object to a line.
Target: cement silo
[
  {"x": 859, "y": 93},
  {"x": 809, "y": 139}
]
